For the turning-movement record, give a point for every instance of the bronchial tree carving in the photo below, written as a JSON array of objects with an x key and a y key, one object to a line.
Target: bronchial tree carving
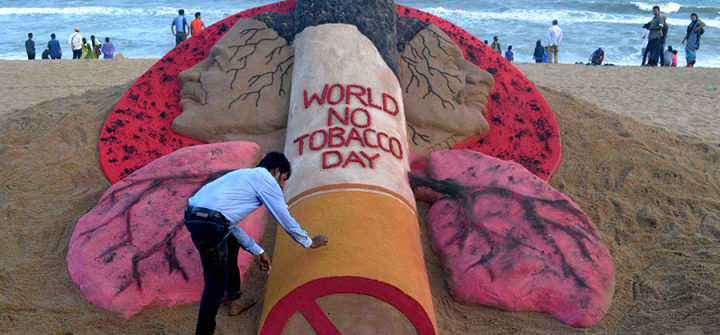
[
  {"x": 250, "y": 45},
  {"x": 132, "y": 195},
  {"x": 423, "y": 56}
]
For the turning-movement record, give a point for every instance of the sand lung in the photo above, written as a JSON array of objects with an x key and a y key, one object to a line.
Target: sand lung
[
  {"x": 133, "y": 251},
  {"x": 507, "y": 239}
]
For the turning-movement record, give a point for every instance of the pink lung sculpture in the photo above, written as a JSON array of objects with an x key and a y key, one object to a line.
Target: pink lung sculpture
[
  {"x": 133, "y": 251},
  {"x": 508, "y": 240}
]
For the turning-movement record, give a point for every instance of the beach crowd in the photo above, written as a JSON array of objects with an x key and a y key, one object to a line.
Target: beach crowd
[
  {"x": 653, "y": 51},
  {"x": 80, "y": 46},
  {"x": 655, "y": 37}
]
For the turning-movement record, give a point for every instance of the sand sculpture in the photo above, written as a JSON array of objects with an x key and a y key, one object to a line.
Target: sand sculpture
[
  {"x": 357, "y": 100},
  {"x": 242, "y": 90}
]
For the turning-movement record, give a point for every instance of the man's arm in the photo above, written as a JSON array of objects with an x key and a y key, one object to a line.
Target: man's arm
[
  {"x": 271, "y": 196},
  {"x": 172, "y": 28},
  {"x": 246, "y": 242}
]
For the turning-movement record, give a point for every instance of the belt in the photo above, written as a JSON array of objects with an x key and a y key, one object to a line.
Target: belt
[{"x": 205, "y": 213}]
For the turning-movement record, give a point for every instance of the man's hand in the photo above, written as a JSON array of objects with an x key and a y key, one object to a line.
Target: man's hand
[
  {"x": 319, "y": 241},
  {"x": 263, "y": 262}
]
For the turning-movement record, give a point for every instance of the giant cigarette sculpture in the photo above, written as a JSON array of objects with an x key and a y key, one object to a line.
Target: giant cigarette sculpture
[{"x": 347, "y": 143}]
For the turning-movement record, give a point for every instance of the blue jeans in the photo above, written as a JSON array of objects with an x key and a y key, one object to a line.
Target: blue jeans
[{"x": 218, "y": 255}]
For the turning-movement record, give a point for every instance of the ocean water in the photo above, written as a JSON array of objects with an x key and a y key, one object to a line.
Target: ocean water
[{"x": 141, "y": 29}]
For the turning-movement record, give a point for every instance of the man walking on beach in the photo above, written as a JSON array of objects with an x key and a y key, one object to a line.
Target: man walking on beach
[
  {"x": 180, "y": 27},
  {"x": 76, "y": 43},
  {"x": 54, "y": 47},
  {"x": 196, "y": 25},
  {"x": 30, "y": 47},
  {"x": 212, "y": 217},
  {"x": 656, "y": 27},
  {"x": 554, "y": 38}
]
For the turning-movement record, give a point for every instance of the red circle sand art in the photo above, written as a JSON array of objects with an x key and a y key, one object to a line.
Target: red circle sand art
[{"x": 138, "y": 130}]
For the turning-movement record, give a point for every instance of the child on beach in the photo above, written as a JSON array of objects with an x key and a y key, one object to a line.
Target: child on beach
[
  {"x": 545, "y": 58},
  {"x": 668, "y": 56},
  {"x": 539, "y": 52},
  {"x": 674, "y": 58},
  {"x": 509, "y": 55}
]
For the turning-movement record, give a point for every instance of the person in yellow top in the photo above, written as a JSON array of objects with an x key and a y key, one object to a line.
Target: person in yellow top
[
  {"x": 196, "y": 25},
  {"x": 85, "y": 49},
  {"x": 90, "y": 49}
]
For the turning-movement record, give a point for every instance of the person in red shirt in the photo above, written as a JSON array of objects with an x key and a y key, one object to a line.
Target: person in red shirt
[{"x": 196, "y": 25}]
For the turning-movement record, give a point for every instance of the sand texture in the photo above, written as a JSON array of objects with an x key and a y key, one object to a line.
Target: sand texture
[
  {"x": 653, "y": 194},
  {"x": 25, "y": 83},
  {"x": 682, "y": 100}
]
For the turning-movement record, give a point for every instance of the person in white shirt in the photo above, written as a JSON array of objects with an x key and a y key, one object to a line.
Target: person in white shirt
[
  {"x": 76, "y": 43},
  {"x": 212, "y": 217},
  {"x": 553, "y": 42}
]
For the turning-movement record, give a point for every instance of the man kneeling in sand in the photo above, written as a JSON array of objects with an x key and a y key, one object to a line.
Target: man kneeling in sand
[{"x": 214, "y": 213}]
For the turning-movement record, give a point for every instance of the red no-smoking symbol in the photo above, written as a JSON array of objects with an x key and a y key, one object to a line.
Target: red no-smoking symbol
[{"x": 305, "y": 300}]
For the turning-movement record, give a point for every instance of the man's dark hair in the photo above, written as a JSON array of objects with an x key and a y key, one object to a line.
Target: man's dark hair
[
  {"x": 486, "y": 41},
  {"x": 275, "y": 160},
  {"x": 197, "y": 15},
  {"x": 29, "y": 35},
  {"x": 554, "y": 22},
  {"x": 509, "y": 47},
  {"x": 658, "y": 8},
  {"x": 107, "y": 39},
  {"x": 495, "y": 38},
  {"x": 181, "y": 12},
  {"x": 52, "y": 35}
]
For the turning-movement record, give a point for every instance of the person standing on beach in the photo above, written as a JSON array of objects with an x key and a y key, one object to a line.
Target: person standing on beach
[
  {"x": 668, "y": 55},
  {"x": 663, "y": 38},
  {"x": 108, "y": 49},
  {"x": 509, "y": 55},
  {"x": 539, "y": 52},
  {"x": 554, "y": 38},
  {"x": 694, "y": 31},
  {"x": 30, "y": 47},
  {"x": 646, "y": 35},
  {"x": 182, "y": 29},
  {"x": 496, "y": 45},
  {"x": 656, "y": 27},
  {"x": 196, "y": 25},
  {"x": 55, "y": 49},
  {"x": 212, "y": 218},
  {"x": 76, "y": 43}
]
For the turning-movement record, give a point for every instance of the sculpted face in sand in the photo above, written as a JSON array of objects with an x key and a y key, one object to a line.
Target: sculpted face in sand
[
  {"x": 445, "y": 95},
  {"x": 241, "y": 91}
]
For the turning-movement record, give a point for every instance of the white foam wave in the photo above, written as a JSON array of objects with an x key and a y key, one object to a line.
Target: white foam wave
[
  {"x": 107, "y": 11},
  {"x": 669, "y": 7},
  {"x": 544, "y": 17}
]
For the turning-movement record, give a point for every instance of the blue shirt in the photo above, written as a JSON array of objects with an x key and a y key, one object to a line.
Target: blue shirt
[
  {"x": 241, "y": 192},
  {"x": 54, "y": 47},
  {"x": 509, "y": 56},
  {"x": 179, "y": 24}
]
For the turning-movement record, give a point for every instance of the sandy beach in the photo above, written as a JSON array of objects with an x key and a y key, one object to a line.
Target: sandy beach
[{"x": 650, "y": 184}]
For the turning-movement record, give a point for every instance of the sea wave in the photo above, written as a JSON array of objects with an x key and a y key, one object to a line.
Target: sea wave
[
  {"x": 669, "y": 7},
  {"x": 545, "y": 16},
  {"x": 106, "y": 11}
]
